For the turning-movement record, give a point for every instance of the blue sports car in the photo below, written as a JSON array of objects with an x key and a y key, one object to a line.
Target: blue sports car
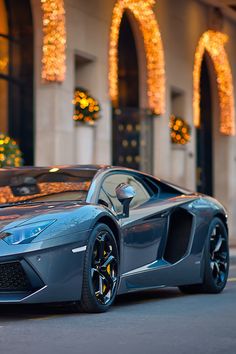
[{"x": 84, "y": 234}]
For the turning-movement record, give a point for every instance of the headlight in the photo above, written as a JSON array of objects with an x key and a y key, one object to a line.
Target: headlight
[{"x": 24, "y": 233}]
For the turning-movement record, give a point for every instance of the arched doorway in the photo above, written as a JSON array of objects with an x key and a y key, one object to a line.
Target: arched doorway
[
  {"x": 127, "y": 118},
  {"x": 213, "y": 42},
  {"x": 132, "y": 122},
  {"x": 205, "y": 133},
  {"x": 16, "y": 74},
  {"x": 136, "y": 81},
  {"x": 128, "y": 68},
  {"x": 214, "y": 113}
]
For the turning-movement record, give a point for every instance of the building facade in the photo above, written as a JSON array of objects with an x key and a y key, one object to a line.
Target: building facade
[{"x": 144, "y": 61}]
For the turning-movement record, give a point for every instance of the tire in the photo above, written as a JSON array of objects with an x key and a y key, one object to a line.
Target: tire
[
  {"x": 216, "y": 261},
  {"x": 101, "y": 271}
]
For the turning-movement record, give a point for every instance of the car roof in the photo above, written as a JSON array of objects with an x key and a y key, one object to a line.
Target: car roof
[
  {"x": 85, "y": 171},
  {"x": 89, "y": 171},
  {"x": 93, "y": 168},
  {"x": 59, "y": 167}
]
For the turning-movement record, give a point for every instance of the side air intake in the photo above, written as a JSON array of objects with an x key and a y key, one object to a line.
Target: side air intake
[{"x": 178, "y": 237}]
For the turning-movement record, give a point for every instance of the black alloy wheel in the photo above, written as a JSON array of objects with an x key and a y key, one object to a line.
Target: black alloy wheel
[
  {"x": 101, "y": 270},
  {"x": 219, "y": 255},
  {"x": 216, "y": 261}
]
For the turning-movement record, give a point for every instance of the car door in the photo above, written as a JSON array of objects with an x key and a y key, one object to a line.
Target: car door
[{"x": 142, "y": 231}]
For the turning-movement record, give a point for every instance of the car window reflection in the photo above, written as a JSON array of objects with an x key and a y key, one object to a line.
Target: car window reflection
[{"x": 44, "y": 186}]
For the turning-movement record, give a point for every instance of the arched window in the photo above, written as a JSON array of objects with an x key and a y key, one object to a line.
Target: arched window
[
  {"x": 4, "y": 66},
  {"x": 16, "y": 74}
]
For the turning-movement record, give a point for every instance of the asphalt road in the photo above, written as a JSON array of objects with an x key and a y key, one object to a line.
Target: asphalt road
[{"x": 162, "y": 321}]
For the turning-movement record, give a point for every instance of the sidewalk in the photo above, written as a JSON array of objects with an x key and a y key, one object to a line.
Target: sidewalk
[{"x": 232, "y": 255}]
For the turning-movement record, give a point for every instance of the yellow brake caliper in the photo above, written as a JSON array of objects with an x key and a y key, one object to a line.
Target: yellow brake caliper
[
  {"x": 109, "y": 269},
  {"x": 109, "y": 272}
]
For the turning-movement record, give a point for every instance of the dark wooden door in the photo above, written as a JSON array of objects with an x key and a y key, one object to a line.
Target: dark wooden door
[
  {"x": 204, "y": 135},
  {"x": 133, "y": 139}
]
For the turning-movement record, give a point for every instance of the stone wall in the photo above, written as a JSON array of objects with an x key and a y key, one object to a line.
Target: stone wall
[{"x": 88, "y": 22}]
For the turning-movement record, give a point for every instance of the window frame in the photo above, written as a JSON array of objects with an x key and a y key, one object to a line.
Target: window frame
[
  {"x": 20, "y": 75},
  {"x": 138, "y": 177}
]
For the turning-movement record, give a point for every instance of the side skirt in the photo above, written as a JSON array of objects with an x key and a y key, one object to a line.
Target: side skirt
[{"x": 161, "y": 273}]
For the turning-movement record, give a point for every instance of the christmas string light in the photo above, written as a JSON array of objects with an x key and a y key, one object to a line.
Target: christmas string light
[
  {"x": 54, "y": 40},
  {"x": 143, "y": 13},
  {"x": 213, "y": 43}
]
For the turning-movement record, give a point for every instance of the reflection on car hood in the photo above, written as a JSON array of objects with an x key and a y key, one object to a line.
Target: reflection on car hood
[{"x": 17, "y": 214}]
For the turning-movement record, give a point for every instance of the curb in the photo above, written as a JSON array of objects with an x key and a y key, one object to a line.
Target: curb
[
  {"x": 232, "y": 260},
  {"x": 232, "y": 253}
]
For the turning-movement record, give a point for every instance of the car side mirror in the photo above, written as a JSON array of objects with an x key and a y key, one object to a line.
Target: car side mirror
[{"x": 125, "y": 193}]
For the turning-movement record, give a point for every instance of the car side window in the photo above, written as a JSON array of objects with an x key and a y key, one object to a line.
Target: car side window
[
  {"x": 109, "y": 188},
  {"x": 104, "y": 200}
]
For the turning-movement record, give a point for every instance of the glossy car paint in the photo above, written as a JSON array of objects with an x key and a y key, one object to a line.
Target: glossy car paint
[{"x": 54, "y": 260}]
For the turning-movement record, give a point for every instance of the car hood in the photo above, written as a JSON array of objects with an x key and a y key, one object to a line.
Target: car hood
[{"x": 15, "y": 215}]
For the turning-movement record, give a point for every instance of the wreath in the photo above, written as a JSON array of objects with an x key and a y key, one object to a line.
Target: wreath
[
  {"x": 10, "y": 154},
  {"x": 180, "y": 130},
  {"x": 86, "y": 108}
]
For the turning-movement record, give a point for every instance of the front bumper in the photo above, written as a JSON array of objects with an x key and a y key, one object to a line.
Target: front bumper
[{"x": 42, "y": 274}]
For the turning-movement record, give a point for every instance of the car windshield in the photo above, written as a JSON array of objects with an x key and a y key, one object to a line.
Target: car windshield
[{"x": 44, "y": 185}]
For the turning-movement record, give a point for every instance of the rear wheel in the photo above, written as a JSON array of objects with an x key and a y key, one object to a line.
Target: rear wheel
[
  {"x": 216, "y": 261},
  {"x": 101, "y": 271}
]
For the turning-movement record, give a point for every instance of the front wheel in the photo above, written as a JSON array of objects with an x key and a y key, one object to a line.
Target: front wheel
[
  {"x": 216, "y": 261},
  {"x": 101, "y": 271}
]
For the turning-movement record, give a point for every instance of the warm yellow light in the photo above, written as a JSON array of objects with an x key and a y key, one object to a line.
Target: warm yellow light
[
  {"x": 54, "y": 169},
  {"x": 54, "y": 40},
  {"x": 213, "y": 43},
  {"x": 4, "y": 65},
  {"x": 143, "y": 13}
]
